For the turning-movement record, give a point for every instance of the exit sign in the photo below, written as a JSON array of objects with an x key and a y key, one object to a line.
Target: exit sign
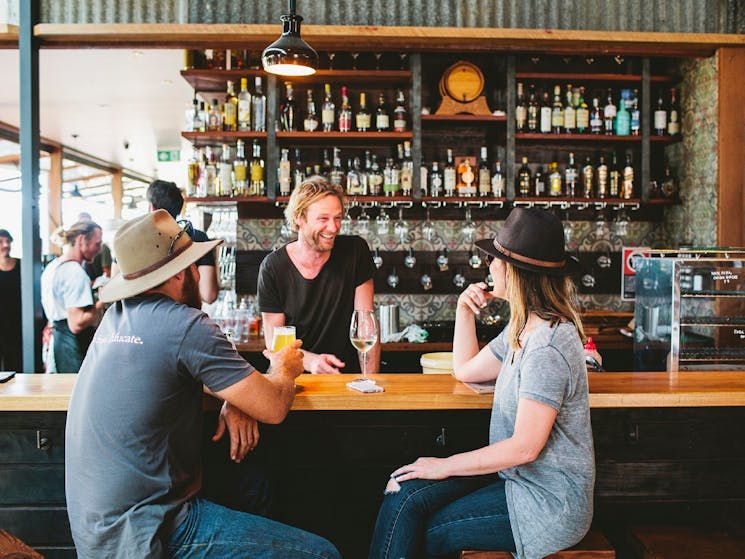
[{"x": 165, "y": 155}]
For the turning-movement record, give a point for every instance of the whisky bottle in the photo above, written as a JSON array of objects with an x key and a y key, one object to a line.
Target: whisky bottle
[
  {"x": 288, "y": 110},
  {"x": 583, "y": 113},
  {"x": 524, "y": 178},
  {"x": 244, "y": 106},
  {"x": 627, "y": 186},
  {"x": 669, "y": 186},
  {"x": 375, "y": 177},
  {"x": 210, "y": 172},
  {"x": 570, "y": 115},
  {"x": 362, "y": 118},
  {"x": 328, "y": 110},
  {"x": 449, "y": 176},
  {"x": 614, "y": 177},
  {"x": 399, "y": 113},
  {"x": 498, "y": 181},
  {"x": 203, "y": 117},
  {"x": 336, "y": 175},
  {"x": 570, "y": 179},
  {"x": 197, "y": 120},
  {"x": 673, "y": 115},
  {"x": 660, "y": 117},
  {"x": 596, "y": 117},
  {"x": 557, "y": 112},
  {"x": 521, "y": 110},
  {"x": 382, "y": 121},
  {"x": 484, "y": 174},
  {"x": 609, "y": 115},
  {"x": 532, "y": 111},
  {"x": 310, "y": 124},
  {"x": 230, "y": 109},
  {"x": 602, "y": 171},
  {"x": 345, "y": 112},
  {"x": 325, "y": 168},
  {"x": 258, "y": 109},
  {"x": 588, "y": 179},
  {"x": 423, "y": 178},
  {"x": 545, "y": 126},
  {"x": 391, "y": 178},
  {"x": 193, "y": 169},
  {"x": 214, "y": 117},
  {"x": 407, "y": 170},
  {"x": 554, "y": 178},
  {"x": 435, "y": 180},
  {"x": 297, "y": 174},
  {"x": 284, "y": 175},
  {"x": 240, "y": 184},
  {"x": 256, "y": 186}
]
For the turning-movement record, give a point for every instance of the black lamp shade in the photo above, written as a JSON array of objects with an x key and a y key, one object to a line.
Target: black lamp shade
[{"x": 290, "y": 55}]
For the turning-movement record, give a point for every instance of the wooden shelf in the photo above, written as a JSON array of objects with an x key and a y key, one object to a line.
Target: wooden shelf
[
  {"x": 202, "y": 139},
  {"x": 577, "y": 76},
  {"x": 464, "y": 118},
  {"x": 351, "y": 137},
  {"x": 224, "y": 200},
  {"x": 370, "y": 77},
  {"x": 549, "y": 137},
  {"x": 665, "y": 139},
  {"x": 205, "y": 80}
]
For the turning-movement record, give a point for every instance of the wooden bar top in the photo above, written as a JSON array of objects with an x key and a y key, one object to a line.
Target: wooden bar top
[{"x": 29, "y": 392}]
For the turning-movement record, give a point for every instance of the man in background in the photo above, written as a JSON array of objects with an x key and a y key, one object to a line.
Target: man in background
[
  {"x": 10, "y": 303},
  {"x": 166, "y": 195}
]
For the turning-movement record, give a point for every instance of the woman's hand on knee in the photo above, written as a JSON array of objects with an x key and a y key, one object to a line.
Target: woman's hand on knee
[{"x": 423, "y": 468}]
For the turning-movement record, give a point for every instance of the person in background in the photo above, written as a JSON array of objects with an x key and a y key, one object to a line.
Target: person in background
[
  {"x": 315, "y": 282},
  {"x": 531, "y": 490},
  {"x": 166, "y": 195},
  {"x": 10, "y": 303},
  {"x": 67, "y": 297},
  {"x": 132, "y": 460}
]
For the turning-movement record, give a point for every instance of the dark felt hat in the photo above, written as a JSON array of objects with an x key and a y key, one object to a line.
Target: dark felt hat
[{"x": 532, "y": 239}]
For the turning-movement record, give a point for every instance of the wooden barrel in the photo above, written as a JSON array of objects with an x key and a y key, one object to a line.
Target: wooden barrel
[{"x": 463, "y": 81}]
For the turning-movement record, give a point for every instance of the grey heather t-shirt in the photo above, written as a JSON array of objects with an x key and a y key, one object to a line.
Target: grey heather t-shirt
[
  {"x": 134, "y": 424},
  {"x": 550, "y": 499}
]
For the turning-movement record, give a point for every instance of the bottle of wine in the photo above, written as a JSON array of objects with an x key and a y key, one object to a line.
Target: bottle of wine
[
  {"x": 336, "y": 175},
  {"x": 524, "y": 178},
  {"x": 588, "y": 179},
  {"x": 230, "y": 109},
  {"x": 285, "y": 174},
  {"x": 545, "y": 127},
  {"x": 498, "y": 181},
  {"x": 288, "y": 110},
  {"x": 382, "y": 120},
  {"x": 484, "y": 183},
  {"x": 449, "y": 175},
  {"x": 297, "y": 174},
  {"x": 391, "y": 178},
  {"x": 583, "y": 113},
  {"x": 375, "y": 177},
  {"x": 570, "y": 179},
  {"x": 596, "y": 117},
  {"x": 310, "y": 124},
  {"x": 539, "y": 182},
  {"x": 602, "y": 172},
  {"x": 570, "y": 114},
  {"x": 399, "y": 113},
  {"x": 627, "y": 186},
  {"x": 554, "y": 177},
  {"x": 362, "y": 118},
  {"x": 557, "y": 112},
  {"x": 407, "y": 170},
  {"x": 660, "y": 116},
  {"x": 532, "y": 111},
  {"x": 214, "y": 117},
  {"x": 609, "y": 115},
  {"x": 673, "y": 115},
  {"x": 328, "y": 110},
  {"x": 623, "y": 118},
  {"x": 345, "y": 112},
  {"x": 244, "y": 106},
  {"x": 614, "y": 177},
  {"x": 225, "y": 173},
  {"x": 435, "y": 180},
  {"x": 521, "y": 110}
]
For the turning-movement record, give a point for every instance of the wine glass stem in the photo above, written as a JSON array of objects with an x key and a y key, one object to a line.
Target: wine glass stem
[{"x": 363, "y": 365}]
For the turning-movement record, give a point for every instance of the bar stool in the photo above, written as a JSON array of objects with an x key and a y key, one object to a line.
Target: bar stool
[
  {"x": 684, "y": 542},
  {"x": 10, "y": 546},
  {"x": 593, "y": 546}
]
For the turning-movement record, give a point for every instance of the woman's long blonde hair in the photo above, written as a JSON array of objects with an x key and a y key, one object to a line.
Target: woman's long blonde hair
[
  {"x": 62, "y": 236},
  {"x": 552, "y": 298}
]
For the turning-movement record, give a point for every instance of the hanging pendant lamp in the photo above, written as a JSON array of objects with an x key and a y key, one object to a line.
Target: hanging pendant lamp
[{"x": 290, "y": 55}]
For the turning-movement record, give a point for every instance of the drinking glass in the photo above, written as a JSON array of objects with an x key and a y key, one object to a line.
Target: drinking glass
[
  {"x": 283, "y": 336},
  {"x": 468, "y": 230},
  {"x": 363, "y": 223},
  {"x": 383, "y": 222},
  {"x": 355, "y": 56},
  {"x": 401, "y": 227},
  {"x": 331, "y": 56},
  {"x": 378, "y": 56},
  {"x": 363, "y": 333},
  {"x": 428, "y": 228}
]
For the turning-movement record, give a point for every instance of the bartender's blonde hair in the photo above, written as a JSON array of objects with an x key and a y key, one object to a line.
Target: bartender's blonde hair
[
  {"x": 309, "y": 192},
  {"x": 553, "y": 298},
  {"x": 62, "y": 236}
]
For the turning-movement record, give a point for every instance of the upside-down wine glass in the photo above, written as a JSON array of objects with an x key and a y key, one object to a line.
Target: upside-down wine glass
[{"x": 363, "y": 333}]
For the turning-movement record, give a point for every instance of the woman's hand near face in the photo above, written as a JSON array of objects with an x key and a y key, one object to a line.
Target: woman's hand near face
[{"x": 475, "y": 297}]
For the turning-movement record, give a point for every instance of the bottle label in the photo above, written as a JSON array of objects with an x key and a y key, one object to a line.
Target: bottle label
[
  {"x": 570, "y": 119},
  {"x": 555, "y": 184},
  {"x": 521, "y": 115},
  {"x": 497, "y": 185},
  {"x": 240, "y": 173},
  {"x": 363, "y": 121},
  {"x": 406, "y": 180},
  {"x": 449, "y": 180},
  {"x": 257, "y": 173},
  {"x": 345, "y": 122},
  {"x": 310, "y": 124},
  {"x": 244, "y": 114},
  {"x": 583, "y": 119},
  {"x": 436, "y": 185},
  {"x": 484, "y": 182},
  {"x": 628, "y": 182},
  {"x": 570, "y": 177},
  {"x": 327, "y": 116},
  {"x": 613, "y": 183},
  {"x": 673, "y": 124},
  {"x": 381, "y": 122},
  {"x": 545, "y": 119},
  {"x": 660, "y": 120},
  {"x": 557, "y": 119},
  {"x": 399, "y": 125}
]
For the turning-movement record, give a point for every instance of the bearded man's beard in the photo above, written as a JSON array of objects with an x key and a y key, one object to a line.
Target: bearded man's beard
[{"x": 190, "y": 291}]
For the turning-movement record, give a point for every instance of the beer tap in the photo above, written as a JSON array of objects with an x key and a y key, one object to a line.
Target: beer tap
[
  {"x": 377, "y": 259},
  {"x": 442, "y": 260},
  {"x": 410, "y": 259},
  {"x": 393, "y": 278},
  {"x": 459, "y": 280},
  {"x": 474, "y": 260},
  {"x": 426, "y": 281}
]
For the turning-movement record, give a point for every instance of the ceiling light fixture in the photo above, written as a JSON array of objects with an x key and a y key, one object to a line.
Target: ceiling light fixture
[{"x": 290, "y": 55}]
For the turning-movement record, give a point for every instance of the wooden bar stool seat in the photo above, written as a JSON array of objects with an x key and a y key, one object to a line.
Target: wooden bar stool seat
[
  {"x": 593, "y": 546},
  {"x": 684, "y": 542},
  {"x": 12, "y": 547}
]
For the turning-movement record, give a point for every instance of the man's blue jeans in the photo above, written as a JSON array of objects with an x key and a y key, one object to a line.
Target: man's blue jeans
[
  {"x": 439, "y": 518},
  {"x": 210, "y": 530}
]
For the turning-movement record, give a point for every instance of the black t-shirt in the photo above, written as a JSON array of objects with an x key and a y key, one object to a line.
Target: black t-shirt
[
  {"x": 10, "y": 303},
  {"x": 199, "y": 237},
  {"x": 321, "y": 308}
]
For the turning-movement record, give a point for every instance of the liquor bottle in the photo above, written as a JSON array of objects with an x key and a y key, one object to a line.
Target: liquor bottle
[
  {"x": 310, "y": 123},
  {"x": 375, "y": 177},
  {"x": 602, "y": 172},
  {"x": 197, "y": 119},
  {"x": 256, "y": 186},
  {"x": 554, "y": 177},
  {"x": 524, "y": 178},
  {"x": 336, "y": 175},
  {"x": 382, "y": 123},
  {"x": 498, "y": 181},
  {"x": 230, "y": 109},
  {"x": 203, "y": 117},
  {"x": 588, "y": 179},
  {"x": 328, "y": 110},
  {"x": 210, "y": 172},
  {"x": 484, "y": 174},
  {"x": 570, "y": 115},
  {"x": 391, "y": 178},
  {"x": 214, "y": 117},
  {"x": 423, "y": 178},
  {"x": 596, "y": 117},
  {"x": 449, "y": 176},
  {"x": 614, "y": 177},
  {"x": 240, "y": 184},
  {"x": 521, "y": 110},
  {"x": 545, "y": 125},
  {"x": 557, "y": 112},
  {"x": 627, "y": 185},
  {"x": 669, "y": 185},
  {"x": 399, "y": 113},
  {"x": 609, "y": 115},
  {"x": 362, "y": 118},
  {"x": 673, "y": 115},
  {"x": 325, "y": 164},
  {"x": 532, "y": 111},
  {"x": 354, "y": 184},
  {"x": 345, "y": 112},
  {"x": 660, "y": 117},
  {"x": 297, "y": 174},
  {"x": 539, "y": 182},
  {"x": 635, "y": 115},
  {"x": 435, "y": 180},
  {"x": 570, "y": 179},
  {"x": 288, "y": 110},
  {"x": 407, "y": 170},
  {"x": 465, "y": 178},
  {"x": 192, "y": 170},
  {"x": 583, "y": 113},
  {"x": 284, "y": 174},
  {"x": 623, "y": 118},
  {"x": 244, "y": 106},
  {"x": 258, "y": 109},
  {"x": 189, "y": 115}
]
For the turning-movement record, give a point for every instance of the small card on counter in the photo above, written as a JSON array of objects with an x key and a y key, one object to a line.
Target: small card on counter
[
  {"x": 365, "y": 386},
  {"x": 486, "y": 387}
]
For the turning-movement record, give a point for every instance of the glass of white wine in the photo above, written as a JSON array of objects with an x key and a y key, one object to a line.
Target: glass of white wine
[{"x": 363, "y": 333}]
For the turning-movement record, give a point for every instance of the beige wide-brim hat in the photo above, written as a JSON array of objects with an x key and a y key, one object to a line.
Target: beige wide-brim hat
[{"x": 150, "y": 249}]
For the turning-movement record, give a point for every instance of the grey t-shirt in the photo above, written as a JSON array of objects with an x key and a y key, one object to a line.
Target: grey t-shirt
[
  {"x": 550, "y": 499},
  {"x": 132, "y": 454}
]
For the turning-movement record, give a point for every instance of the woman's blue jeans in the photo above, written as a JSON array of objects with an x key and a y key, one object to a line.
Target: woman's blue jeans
[
  {"x": 210, "y": 530},
  {"x": 429, "y": 518}
]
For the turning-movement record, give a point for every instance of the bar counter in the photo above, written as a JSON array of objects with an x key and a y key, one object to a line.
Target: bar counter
[{"x": 27, "y": 392}]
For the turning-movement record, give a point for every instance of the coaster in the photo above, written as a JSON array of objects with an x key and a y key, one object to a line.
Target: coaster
[{"x": 365, "y": 386}]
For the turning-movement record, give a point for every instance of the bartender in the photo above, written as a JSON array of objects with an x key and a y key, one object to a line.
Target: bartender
[{"x": 316, "y": 281}]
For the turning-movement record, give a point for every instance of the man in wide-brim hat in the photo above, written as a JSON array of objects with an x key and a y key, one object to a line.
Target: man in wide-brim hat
[{"x": 132, "y": 439}]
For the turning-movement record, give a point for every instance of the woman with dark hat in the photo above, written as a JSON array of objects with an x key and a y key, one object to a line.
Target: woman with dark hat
[{"x": 530, "y": 491}]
